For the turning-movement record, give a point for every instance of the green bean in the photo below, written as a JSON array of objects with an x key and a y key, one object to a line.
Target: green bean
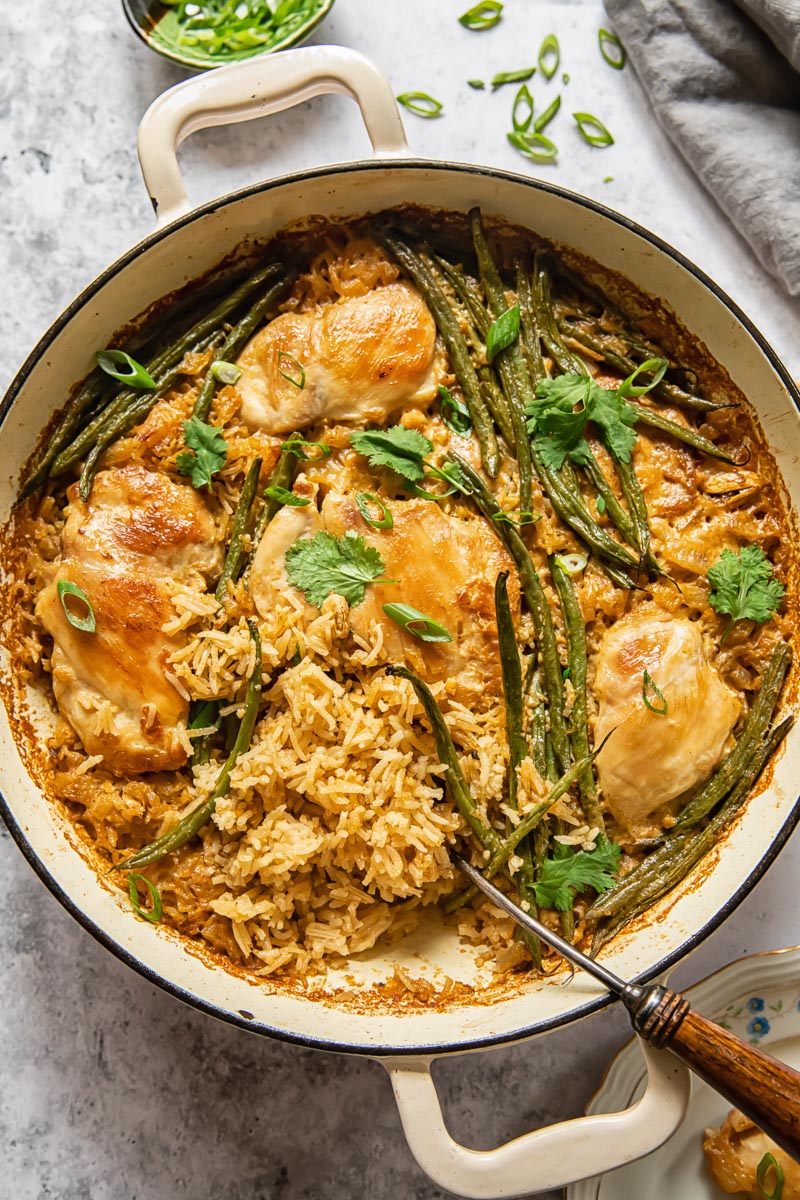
[
  {"x": 757, "y": 721},
  {"x": 81, "y": 403},
  {"x": 649, "y": 416},
  {"x": 615, "y": 511},
  {"x": 537, "y": 604},
  {"x": 577, "y": 660},
  {"x": 281, "y": 477},
  {"x": 241, "y": 517},
  {"x": 200, "y": 336},
  {"x": 202, "y": 714},
  {"x": 531, "y": 330},
  {"x": 194, "y": 821},
  {"x": 660, "y": 872},
  {"x": 540, "y": 293},
  {"x": 634, "y": 496},
  {"x": 457, "y": 348},
  {"x": 456, "y": 783},
  {"x": 236, "y": 341}
]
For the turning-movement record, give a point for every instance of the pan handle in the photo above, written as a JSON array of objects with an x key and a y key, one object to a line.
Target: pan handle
[
  {"x": 268, "y": 83},
  {"x": 548, "y": 1158}
]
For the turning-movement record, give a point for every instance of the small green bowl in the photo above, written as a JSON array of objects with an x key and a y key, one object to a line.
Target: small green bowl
[{"x": 147, "y": 19}]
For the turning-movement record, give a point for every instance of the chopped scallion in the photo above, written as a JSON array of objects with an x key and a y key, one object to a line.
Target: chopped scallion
[
  {"x": 521, "y": 76},
  {"x": 121, "y": 366},
  {"x": 86, "y": 623},
  {"x": 651, "y": 692},
  {"x": 502, "y": 332},
  {"x": 592, "y": 130},
  {"x": 299, "y": 448},
  {"x": 421, "y": 103},
  {"x": 477, "y": 84},
  {"x": 655, "y": 367},
  {"x": 534, "y": 146},
  {"x": 481, "y": 16},
  {"x": 770, "y": 1163},
  {"x": 225, "y": 372},
  {"x": 611, "y": 49},
  {"x": 571, "y": 564},
  {"x": 282, "y": 496},
  {"x": 296, "y": 374},
  {"x": 549, "y": 56},
  {"x": 522, "y": 112},
  {"x": 153, "y": 914},
  {"x": 546, "y": 117},
  {"x": 455, "y": 413},
  {"x": 417, "y": 624},
  {"x": 384, "y": 520}
]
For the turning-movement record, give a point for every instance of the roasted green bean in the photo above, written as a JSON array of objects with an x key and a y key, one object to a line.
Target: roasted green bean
[{"x": 241, "y": 518}]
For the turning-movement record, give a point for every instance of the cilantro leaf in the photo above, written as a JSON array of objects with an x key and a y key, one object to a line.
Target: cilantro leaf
[
  {"x": 569, "y": 871},
  {"x": 397, "y": 449},
  {"x": 324, "y": 564},
  {"x": 558, "y": 426},
  {"x": 745, "y": 586},
  {"x": 210, "y": 452}
]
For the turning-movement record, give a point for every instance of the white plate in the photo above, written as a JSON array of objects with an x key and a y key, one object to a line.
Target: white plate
[{"x": 758, "y": 998}]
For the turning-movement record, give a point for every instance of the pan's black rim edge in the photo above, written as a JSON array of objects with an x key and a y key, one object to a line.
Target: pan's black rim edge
[{"x": 253, "y": 1026}]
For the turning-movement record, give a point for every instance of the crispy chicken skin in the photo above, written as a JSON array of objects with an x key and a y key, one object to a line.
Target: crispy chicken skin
[
  {"x": 733, "y": 1153},
  {"x": 137, "y": 532},
  {"x": 444, "y": 566},
  {"x": 364, "y": 358},
  {"x": 651, "y": 758}
]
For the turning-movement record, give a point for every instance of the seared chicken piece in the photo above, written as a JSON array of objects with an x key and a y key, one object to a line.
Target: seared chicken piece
[
  {"x": 363, "y": 359},
  {"x": 734, "y": 1151},
  {"x": 137, "y": 532},
  {"x": 652, "y": 757},
  {"x": 445, "y": 567}
]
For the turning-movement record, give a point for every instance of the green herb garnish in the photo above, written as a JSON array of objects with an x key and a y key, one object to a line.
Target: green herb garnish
[
  {"x": 225, "y": 372},
  {"x": 522, "y": 110},
  {"x": 86, "y": 623},
  {"x": 559, "y": 429},
  {"x": 283, "y": 496},
  {"x": 299, "y": 447},
  {"x": 455, "y": 413},
  {"x": 549, "y": 56},
  {"x": 571, "y": 564},
  {"x": 744, "y": 586},
  {"x": 569, "y": 871},
  {"x": 520, "y": 76},
  {"x": 502, "y": 332},
  {"x": 421, "y": 103},
  {"x": 210, "y": 452},
  {"x": 121, "y": 366},
  {"x": 544, "y": 120},
  {"x": 477, "y": 84},
  {"x": 295, "y": 372},
  {"x": 611, "y": 49},
  {"x": 592, "y": 130},
  {"x": 417, "y": 624},
  {"x": 153, "y": 914},
  {"x": 384, "y": 520},
  {"x": 770, "y": 1163},
  {"x": 534, "y": 145},
  {"x": 653, "y": 696},
  {"x": 325, "y": 564},
  {"x": 482, "y": 16},
  {"x": 656, "y": 368},
  {"x": 403, "y": 451}
]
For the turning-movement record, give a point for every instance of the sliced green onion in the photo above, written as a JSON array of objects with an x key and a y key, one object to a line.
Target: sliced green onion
[
  {"x": 520, "y": 76},
  {"x": 586, "y": 123},
  {"x": 649, "y": 688},
  {"x": 481, "y": 16},
  {"x": 477, "y": 84},
  {"x": 121, "y": 366},
  {"x": 522, "y": 121},
  {"x": 608, "y": 179},
  {"x": 297, "y": 376},
  {"x": 225, "y": 372},
  {"x": 656, "y": 366},
  {"x": 153, "y": 914},
  {"x": 571, "y": 564},
  {"x": 455, "y": 413},
  {"x": 549, "y": 56},
  {"x": 544, "y": 120},
  {"x": 87, "y": 623},
  {"x": 565, "y": 78},
  {"x": 502, "y": 332},
  {"x": 299, "y": 446},
  {"x": 384, "y": 521},
  {"x": 770, "y": 1163},
  {"x": 534, "y": 145},
  {"x": 513, "y": 518},
  {"x": 600, "y": 504},
  {"x": 565, "y": 672},
  {"x": 417, "y": 624},
  {"x": 421, "y": 103},
  {"x": 282, "y": 496},
  {"x": 611, "y": 49}
]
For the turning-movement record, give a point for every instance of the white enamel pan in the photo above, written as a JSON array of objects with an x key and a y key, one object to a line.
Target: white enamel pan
[{"x": 350, "y": 1016}]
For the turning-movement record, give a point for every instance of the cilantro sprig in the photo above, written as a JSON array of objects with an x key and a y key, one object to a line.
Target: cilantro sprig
[
  {"x": 325, "y": 564},
  {"x": 745, "y": 587},
  {"x": 563, "y": 407},
  {"x": 206, "y": 453},
  {"x": 404, "y": 451},
  {"x": 569, "y": 871}
]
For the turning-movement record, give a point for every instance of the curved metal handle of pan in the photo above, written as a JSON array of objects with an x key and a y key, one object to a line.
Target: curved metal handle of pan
[
  {"x": 548, "y": 1158},
  {"x": 258, "y": 87}
]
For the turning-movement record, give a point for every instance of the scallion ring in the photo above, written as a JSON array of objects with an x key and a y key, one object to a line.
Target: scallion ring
[
  {"x": 121, "y": 366},
  {"x": 225, "y": 372},
  {"x": 87, "y": 623},
  {"x": 502, "y": 332},
  {"x": 656, "y": 367},
  {"x": 546, "y": 117},
  {"x": 299, "y": 447},
  {"x": 770, "y": 1163},
  {"x": 482, "y": 16},
  {"x": 571, "y": 564},
  {"x": 611, "y": 49},
  {"x": 520, "y": 76},
  {"x": 282, "y": 496},
  {"x": 549, "y": 56},
  {"x": 477, "y": 84},
  {"x": 521, "y": 120},
  {"x": 384, "y": 521},
  {"x": 534, "y": 146},
  {"x": 153, "y": 914},
  {"x": 421, "y": 103},
  {"x": 417, "y": 624},
  {"x": 586, "y": 124},
  {"x": 455, "y": 413},
  {"x": 651, "y": 689},
  {"x": 297, "y": 376}
]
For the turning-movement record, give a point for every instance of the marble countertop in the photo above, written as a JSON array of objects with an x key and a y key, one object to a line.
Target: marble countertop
[{"x": 108, "y": 1086}]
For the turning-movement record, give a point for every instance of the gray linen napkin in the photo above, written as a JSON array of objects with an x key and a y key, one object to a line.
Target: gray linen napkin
[{"x": 726, "y": 88}]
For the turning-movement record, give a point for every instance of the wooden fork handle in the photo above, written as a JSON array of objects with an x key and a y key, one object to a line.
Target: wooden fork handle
[{"x": 766, "y": 1090}]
